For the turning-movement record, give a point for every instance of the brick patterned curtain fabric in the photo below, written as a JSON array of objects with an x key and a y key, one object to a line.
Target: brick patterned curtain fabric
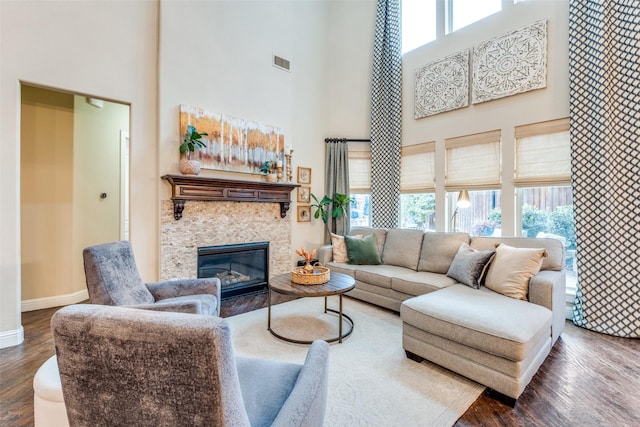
[
  {"x": 386, "y": 116},
  {"x": 604, "y": 47}
]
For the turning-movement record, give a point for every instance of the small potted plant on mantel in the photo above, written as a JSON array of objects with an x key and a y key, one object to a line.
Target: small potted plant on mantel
[
  {"x": 191, "y": 142},
  {"x": 269, "y": 169}
]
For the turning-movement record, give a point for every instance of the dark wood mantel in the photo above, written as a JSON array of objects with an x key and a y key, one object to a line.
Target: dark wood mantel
[{"x": 187, "y": 187}]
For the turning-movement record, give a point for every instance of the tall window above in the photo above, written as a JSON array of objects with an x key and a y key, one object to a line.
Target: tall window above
[
  {"x": 461, "y": 13},
  {"x": 418, "y": 23}
]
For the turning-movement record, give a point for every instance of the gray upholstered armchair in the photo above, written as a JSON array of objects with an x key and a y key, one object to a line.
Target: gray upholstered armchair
[
  {"x": 120, "y": 367},
  {"x": 113, "y": 279}
]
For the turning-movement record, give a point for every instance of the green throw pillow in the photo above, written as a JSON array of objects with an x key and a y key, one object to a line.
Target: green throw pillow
[{"x": 362, "y": 250}]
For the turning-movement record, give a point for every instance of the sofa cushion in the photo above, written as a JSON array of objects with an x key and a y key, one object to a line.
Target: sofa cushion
[
  {"x": 420, "y": 282},
  {"x": 469, "y": 266},
  {"x": 339, "y": 248},
  {"x": 439, "y": 249},
  {"x": 555, "y": 249},
  {"x": 380, "y": 233},
  {"x": 362, "y": 250},
  {"x": 402, "y": 248},
  {"x": 342, "y": 267},
  {"x": 481, "y": 319},
  {"x": 511, "y": 269},
  {"x": 379, "y": 275}
]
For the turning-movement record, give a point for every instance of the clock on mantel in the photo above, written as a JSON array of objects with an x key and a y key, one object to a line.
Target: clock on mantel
[{"x": 206, "y": 189}]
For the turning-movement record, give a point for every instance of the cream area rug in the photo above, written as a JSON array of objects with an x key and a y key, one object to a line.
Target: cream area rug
[{"x": 371, "y": 381}]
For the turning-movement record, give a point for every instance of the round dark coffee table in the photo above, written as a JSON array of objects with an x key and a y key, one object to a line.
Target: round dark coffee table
[{"x": 338, "y": 284}]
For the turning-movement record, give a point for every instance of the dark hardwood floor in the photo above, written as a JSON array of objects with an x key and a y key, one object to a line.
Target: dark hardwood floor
[{"x": 589, "y": 379}]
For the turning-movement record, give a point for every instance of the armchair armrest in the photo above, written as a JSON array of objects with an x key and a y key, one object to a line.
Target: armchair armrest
[
  {"x": 284, "y": 394},
  {"x": 193, "y": 307},
  {"x": 548, "y": 288},
  {"x": 307, "y": 403},
  {"x": 325, "y": 254},
  {"x": 178, "y": 288}
]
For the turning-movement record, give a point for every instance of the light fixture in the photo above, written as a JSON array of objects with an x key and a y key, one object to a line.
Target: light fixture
[{"x": 462, "y": 203}]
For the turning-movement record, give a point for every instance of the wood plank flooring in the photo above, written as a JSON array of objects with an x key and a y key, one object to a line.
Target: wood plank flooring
[{"x": 589, "y": 379}]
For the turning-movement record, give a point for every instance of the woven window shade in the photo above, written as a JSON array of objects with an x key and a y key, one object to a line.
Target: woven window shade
[
  {"x": 473, "y": 161},
  {"x": 543, "y": 154},
  {"x": 359, "y": 167},
  {"x": 417, "y": 170}
]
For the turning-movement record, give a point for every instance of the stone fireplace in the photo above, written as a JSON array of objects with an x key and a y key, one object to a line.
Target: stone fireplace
[
  {"x": 206, "y": 223},
  {"x": 206, "y": 211}
]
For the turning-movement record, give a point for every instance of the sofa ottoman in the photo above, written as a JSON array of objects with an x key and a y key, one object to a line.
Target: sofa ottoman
[
  {"x": 498, "y": 341},
  {"x": 49, "y": 409}
]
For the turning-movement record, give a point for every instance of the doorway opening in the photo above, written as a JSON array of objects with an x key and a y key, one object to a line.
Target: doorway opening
[{"x": 74, "y": 155}]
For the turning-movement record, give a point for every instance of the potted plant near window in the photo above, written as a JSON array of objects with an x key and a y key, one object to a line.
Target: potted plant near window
[
  {"x": 338, "y": 207},
  {"x": 269, "y": 169},
  {"x": 192, "y": 141}
]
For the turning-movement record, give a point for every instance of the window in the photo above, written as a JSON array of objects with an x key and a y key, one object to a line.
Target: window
[
  {"x": 418, "y": 23},
  {"x": 360, "y": 183},
  {"x": 473, "y": 164},
  {"x": 481, "y": 218},
  {"x": 473, "y": 161},
  {"x": 542, "y": 178},
  {"x": 543, "y": 154},
  {"x": 418, "y": 211},
  {"x": 420, "y": 19},
  {"x": 417, "y": 186},
  {"x": 461, "y": 13}
]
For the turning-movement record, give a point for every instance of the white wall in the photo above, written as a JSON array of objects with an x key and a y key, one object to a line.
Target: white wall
[
  {"x": 222, "y": 62},
  {"x": 100, "y": 48},
  {"x": 549, "y": 103}
]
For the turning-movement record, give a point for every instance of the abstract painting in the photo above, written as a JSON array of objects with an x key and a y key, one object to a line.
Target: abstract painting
[
  {"x": 233, "y": 144},
  {"x": 510, "y": 64},
  {"x": 442, "y": 85}
]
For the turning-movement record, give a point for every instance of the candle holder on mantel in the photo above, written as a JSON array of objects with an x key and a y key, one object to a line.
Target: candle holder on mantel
[
  {"x": 279, "y": 173},
  {"x": 288, "y": 165}
]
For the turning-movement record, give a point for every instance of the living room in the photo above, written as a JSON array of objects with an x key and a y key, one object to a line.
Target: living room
[{"x": 155, "y": 56}]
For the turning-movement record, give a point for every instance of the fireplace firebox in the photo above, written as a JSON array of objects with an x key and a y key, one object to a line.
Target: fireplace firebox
[{"x": 241, "y": 268}]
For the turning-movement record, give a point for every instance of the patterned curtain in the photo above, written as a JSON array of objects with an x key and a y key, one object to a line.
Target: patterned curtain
[
  {"x": 604, "y": 69},
  {"x": 337, "y": 180},
  {"x": 386, "y": 116}
]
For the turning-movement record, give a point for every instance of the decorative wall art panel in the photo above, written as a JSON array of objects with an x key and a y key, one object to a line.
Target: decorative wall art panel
[
  {"x": 233, "y": 144},
  {"x": 442, "y": 85},
  {"x": 510, "y": 64}
]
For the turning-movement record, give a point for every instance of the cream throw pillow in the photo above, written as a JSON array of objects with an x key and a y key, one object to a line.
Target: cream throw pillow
[
  {"x": 340, "y": 248},
  {"x": 511, "y": 270}
]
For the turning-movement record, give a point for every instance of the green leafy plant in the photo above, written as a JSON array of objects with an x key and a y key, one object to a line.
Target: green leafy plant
[
  {"x": 338, "y": 206},
  {"x": 267, "y": 167},
  {"x": 192, "y": 141}
]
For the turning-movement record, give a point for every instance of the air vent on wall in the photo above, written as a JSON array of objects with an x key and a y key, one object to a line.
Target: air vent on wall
[{"x": 281, "y": 63}]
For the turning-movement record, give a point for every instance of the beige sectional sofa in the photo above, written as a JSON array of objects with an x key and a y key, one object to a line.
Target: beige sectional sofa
[{"x": 488, "y": 337}]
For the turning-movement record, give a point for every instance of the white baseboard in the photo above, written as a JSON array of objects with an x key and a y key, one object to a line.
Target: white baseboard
[
  {"x": 11, "y": 338},
  {"x": 55, "y": 301}
]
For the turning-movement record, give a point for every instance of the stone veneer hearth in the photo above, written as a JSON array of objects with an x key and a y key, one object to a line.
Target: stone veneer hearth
[{"x": 221, "y": 223}]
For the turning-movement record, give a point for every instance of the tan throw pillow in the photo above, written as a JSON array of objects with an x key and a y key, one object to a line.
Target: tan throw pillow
[
  {"x": 340, "y": 248},
  {"x": 511, "y": 269}
]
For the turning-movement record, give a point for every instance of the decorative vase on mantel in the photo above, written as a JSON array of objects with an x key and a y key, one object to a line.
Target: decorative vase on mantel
[
  {"x": 272, "y": 177},
  {"x": 192, "y": 141},
  {"x": 189, "y": 167}
]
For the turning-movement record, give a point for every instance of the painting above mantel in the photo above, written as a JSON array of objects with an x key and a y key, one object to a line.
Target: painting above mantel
[
  {"x": 233, "y": 144},
  {"x": 186, "y": 188}
]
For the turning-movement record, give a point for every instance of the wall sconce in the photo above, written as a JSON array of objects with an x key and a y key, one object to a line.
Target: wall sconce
[{"x": 462, "y": 203}]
